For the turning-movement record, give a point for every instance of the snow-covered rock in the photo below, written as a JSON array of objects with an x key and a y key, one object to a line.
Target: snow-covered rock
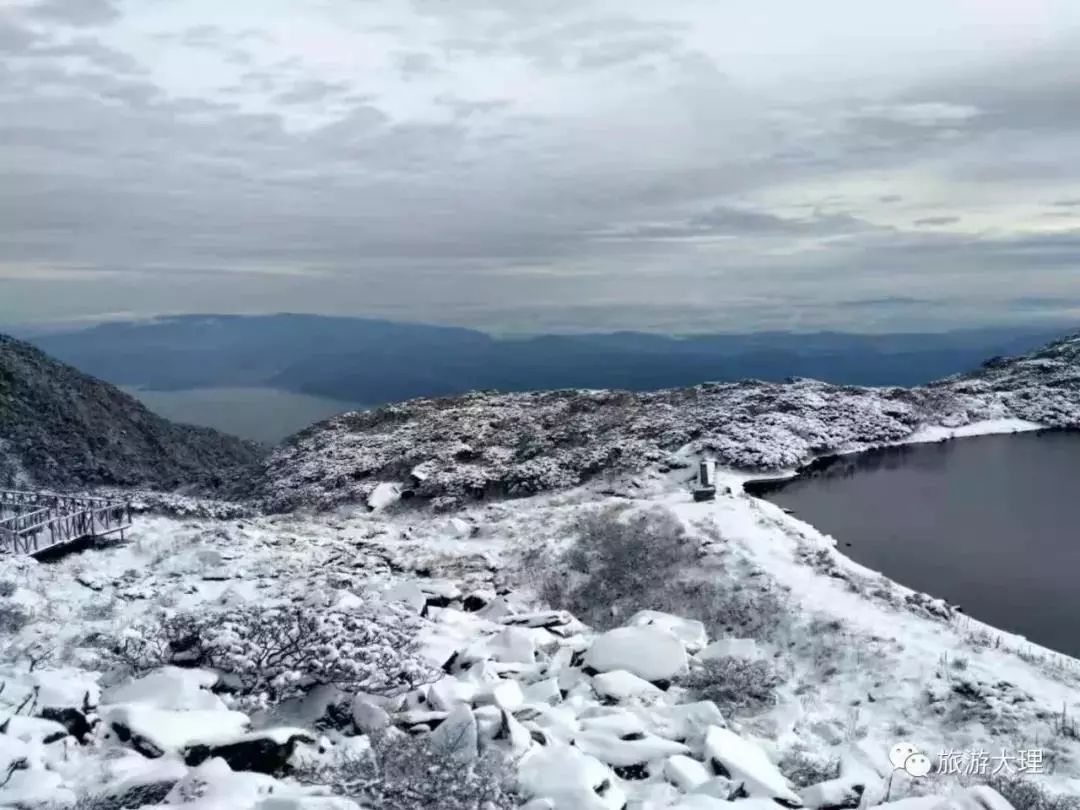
[
  {"x": 689, "y": 631},
  {"x": 620, "y": 685},
  {"x": 685, "y": 773},
  {"x": 648, "y": 652},
  {"x": 745, "y": 762},
  {"x": 569, "y": 778}
]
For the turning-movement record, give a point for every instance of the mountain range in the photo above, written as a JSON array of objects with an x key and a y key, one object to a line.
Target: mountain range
[{"x": 372, "y": 361}]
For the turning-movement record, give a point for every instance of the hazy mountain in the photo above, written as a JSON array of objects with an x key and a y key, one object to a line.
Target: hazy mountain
[
  {"x": 62, "y": 428},
  {"x": 374, "y": 361}
]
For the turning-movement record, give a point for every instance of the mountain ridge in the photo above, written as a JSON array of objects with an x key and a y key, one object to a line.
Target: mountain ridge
[
  {"x": 64, "y": 429},
  {"x": 452, "y": 450}
]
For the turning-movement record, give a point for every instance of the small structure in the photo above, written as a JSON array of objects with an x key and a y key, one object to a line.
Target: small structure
[
  {"x": 34, "y": 522},
  {"x": 705, "y": 486}
]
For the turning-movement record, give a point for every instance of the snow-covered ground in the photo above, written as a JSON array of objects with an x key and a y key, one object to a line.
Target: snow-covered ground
[{"x": 864, "y": 664}]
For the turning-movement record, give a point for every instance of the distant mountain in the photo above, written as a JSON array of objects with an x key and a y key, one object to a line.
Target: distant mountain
[
  {"x": 448, "y": 451},
  {"x": 61, "y": 428},
  {"x": 372, "y": 361}
]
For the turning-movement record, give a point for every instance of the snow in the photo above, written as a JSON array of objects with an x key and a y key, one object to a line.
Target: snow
[
  {"x": 648, "y": 652},
  {"x": 747, "y": 763}
]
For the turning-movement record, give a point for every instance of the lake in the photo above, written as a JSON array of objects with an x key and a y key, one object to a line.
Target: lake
[
  {"x": 990, "y": 523},
  {"x": 261, "y": 414}
]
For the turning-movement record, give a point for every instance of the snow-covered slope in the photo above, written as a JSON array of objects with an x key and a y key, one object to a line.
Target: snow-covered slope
[
  {"x": 861, "y": 664},
  {"x": 451, "y": 450}
]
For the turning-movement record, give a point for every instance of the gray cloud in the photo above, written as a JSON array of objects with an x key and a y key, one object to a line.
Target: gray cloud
[
  {"x": 937, "y": 221},
  {"x": 487, "y": 164},
  {"x": 77, "y": 13}
]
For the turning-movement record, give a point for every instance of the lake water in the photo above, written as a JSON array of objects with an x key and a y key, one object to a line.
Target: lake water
[
  {"x": 262, "y": 414},
  {"x": 989, "y": 523}
]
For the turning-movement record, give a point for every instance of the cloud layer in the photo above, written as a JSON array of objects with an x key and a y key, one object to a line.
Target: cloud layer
[{"x": 535, "y": 165}]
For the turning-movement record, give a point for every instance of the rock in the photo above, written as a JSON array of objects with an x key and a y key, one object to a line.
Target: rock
[
  {"x": 458, "y": 736},
  {"x": 477, "y": 600},
  {"x": 545, "y": 619},
  {"x": 513, "y": 645},
  {"x": 745, "y": 762},
  {"x": 505, "y": 694},
  {"x": 835, "y": 794},
  {"x": 150, "y": 730},
  {"x": 636, "y": 748},
  {"x": 407, "y": 592},
  {"x": 731, "y": 648},
  {"x": 148, "y": 748},
  {"x": 462, "y": 528},
  {"x": 35, "y": 730},
  {"x": 685, "y": 773},
  {"x": 620, "y": 685},
  {"x": 687, "y": 722},
  {"x": 265, "y": 751},
  {"x": 449, "y": 692},
  {"x": 546, "y": 691},
  {"x": 172, "y": 688},
  {"x": 73, "y": 721},
  {"x": 648, "y": 652},
  {"x": 569, "y": 778},
  {"x": 515, "y": 734},
  {"x": 368, "y": 717},
  {"x": 383, "y": 495},
  {"x": 689, "y": 631}
]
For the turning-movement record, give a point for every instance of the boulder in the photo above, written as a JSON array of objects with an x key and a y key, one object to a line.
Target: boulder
[
  {"x": 648, "y": 652},
  {"x": 265, "y": 751},
  {"x": 74, "y": 722},
  {"x": 745, "y": 762},
  {"x": 458, "y": 735},
  {"x": 636, "y": 748},
  {"x": 731, "y": 648},
  {"x": 620, "y": 685},
  {"x": 685, "y": 773},
  {"x": 172, "y": 688},
  {"x": 368, "y": 717},
  {"x": 383, "y": 495},
  {"x": 569, "y": 778},
  {"x": 836, "y": 794},
  {"x": 689, "y": 631}
]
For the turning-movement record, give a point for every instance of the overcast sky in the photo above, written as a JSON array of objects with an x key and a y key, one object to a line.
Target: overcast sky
[{"x": 524, "y": 165}]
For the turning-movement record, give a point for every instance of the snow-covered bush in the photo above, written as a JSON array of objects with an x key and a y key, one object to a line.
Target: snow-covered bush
[
  {"x": 803, "y": 769},
  {"x": 266, "y": 654},
  {"x": 623, "y": 561},
  {"x": 13, "y": 618},
  {"x": 619, "y": 559},
  {"x": 735, "y": 684},
  {"x": 1026, "y": 794},
  {"x": 7, "y": 588},
  {"x": 401, "y": 772}
]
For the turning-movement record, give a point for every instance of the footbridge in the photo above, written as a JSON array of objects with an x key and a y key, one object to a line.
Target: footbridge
[{"x": 35, "y": 522}]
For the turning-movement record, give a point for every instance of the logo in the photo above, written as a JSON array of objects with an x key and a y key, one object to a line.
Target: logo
[{"x": 906, "y": 757}]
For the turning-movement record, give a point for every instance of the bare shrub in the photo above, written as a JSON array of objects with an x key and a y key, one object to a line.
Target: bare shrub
[
  {"x": 624, "y": 560},
  {"x": 408, "y": 773},
  {"x": 1025, "y": 794},
  {"x": 736, "y": 685},
  {"x": 13, "y": 618},
  {"x": 269, "y": 654},
  {"x": 803, "y": 769}
]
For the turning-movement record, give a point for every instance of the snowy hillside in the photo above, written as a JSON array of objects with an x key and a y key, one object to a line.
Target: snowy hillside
[
  {"x": 303, "y": 643},
  {"x": 452, "y": 450}
]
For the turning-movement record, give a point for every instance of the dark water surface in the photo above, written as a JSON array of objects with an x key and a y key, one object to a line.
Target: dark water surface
[
  {"x": 990, "y": 523},
  {"x": 265, "y": 415}
]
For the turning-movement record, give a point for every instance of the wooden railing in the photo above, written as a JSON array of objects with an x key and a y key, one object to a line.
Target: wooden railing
[{"x": 36, "y": 521}]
